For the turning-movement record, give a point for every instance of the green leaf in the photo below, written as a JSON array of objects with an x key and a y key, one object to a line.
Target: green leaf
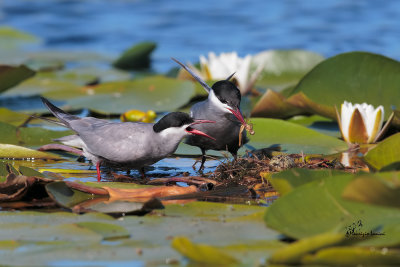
[
  {"x": 357, "y": 77},
  {"x": 66, "y": 196},
  {"x": 385, "y": 153},
  {"x": 47, "y": 232},
  {"x": 11, "y": 117},
  {"x": 106, "y": 230},
  {"x": 136, "y": 57},
  {"x": 353, "y": 256},
  {"x": 28, "y": 135},
  {"x": 284, "y": 66},
  {"x": 30, "y": 172},
  {"x": 11, "y": 76},
  {"x": 285, "y": 181},
  {"x": 293, "y": 138},
  {"x": 8, "y": 151},
  {"x": 156, "y": 93},
  {"x": 318, "y": 207},
  {"x": 201, "y": 253},
  {"x": 375, "y": 190},
  {"x": 274, "y": 105},
  {"x": 293, "y": 253}
]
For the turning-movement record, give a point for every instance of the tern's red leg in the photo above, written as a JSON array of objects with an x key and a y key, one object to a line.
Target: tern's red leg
[{"x": 98, "y": 171}]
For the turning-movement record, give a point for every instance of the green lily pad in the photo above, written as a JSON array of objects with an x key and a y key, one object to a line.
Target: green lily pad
[
  {"x": 11, "y": 76},
  {"x": 274, "y": 105},
  {"x": 30, "y": 172},
  {"x": 318, "y": 207},
  {"x": 201, "y": 253},
  {"x": 293, "y": 138},
  {"x": 156, "y": 93},
  {"x": 47, "y": 232},
  {"x": 374, "y": 190},
  {"x": 284, "y": 66},
  {"x": 285, "y": 181},
  {"x": 353, "y": 256},
  {"x": 385, "y": 153},
  {"x": 136, "y": 57},
  {"x": 11, "y": 117},
  {"x": 106, "y": 230},
  {"x": 356, "y": 77},
  {"x": 293, "y": 253},
  {"x": 28, "y": 135},
  {"x": 66, "y": 196},
  {"x": 18, "y": 152}
]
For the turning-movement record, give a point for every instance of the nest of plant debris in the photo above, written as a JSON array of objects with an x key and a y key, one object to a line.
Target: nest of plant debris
[{"x": 246, "y": 171}]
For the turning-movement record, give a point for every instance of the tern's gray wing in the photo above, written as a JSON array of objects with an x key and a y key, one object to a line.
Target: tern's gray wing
[
  {"x": 118, "y": 142},
  {"x": 200, "y": 80},
  {"x": 225, "y": 129}
]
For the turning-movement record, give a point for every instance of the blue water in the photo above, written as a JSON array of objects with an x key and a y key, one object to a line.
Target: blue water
[{"x": 186, "y": 29}]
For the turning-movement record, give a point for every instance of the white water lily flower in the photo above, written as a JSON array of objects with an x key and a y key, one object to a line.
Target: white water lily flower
[
  {"x": 360, "y": 123},
  {"x": 221, "y": 67}
]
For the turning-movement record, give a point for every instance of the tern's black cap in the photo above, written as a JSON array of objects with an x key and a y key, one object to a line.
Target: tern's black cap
[
  {"x": 173, "y": 119},
  {"x": 227, "y": 93}
]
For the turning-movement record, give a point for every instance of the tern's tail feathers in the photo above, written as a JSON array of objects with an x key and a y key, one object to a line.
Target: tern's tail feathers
[{"x": 63, "y": 116}]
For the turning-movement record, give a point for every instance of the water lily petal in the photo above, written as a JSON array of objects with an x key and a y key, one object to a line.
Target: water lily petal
[
  {"x": 346, "y": 112},
  {"x": 357, "y": 130},
  {"x": 242, "y": 74},
  {"x": 375, "y": 123}
]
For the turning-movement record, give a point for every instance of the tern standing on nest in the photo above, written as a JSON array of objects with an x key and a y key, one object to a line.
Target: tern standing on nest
[{"x": 223, "y": 107}]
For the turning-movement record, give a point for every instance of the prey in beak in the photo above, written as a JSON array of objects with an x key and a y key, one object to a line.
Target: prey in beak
[
  {"x": 191, "y": 130},
  {"x": 236, "y": 112}
]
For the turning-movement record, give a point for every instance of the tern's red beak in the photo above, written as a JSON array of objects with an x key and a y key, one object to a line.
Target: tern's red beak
[
  {"x": 238, "y": 115},
  {"x": 198, "y": 132}
]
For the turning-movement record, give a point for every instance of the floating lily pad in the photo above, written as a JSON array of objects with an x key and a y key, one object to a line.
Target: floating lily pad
[
  {"x": 385, "y": 153},
  {"x": 374, "y": 190},
  {"x": 11, "y": 76},
  {"x": 201, "y": 253},
  {"x": 293, "y": 253},
  {"x": 30, "y": 172},
  {"x": 136, "y": 57},
  {"x": 65, "y": 196},
  {"x": 356, "y": 77},
  {"x": 157, "y": 93},
  {"x": 18, "y": 152},
  {"x": 274, "y": 105},
  {"x": 106, "y": 230},
  {"x": 284, "y": 66},
  {"x": 293, "y": 138},
  {"x": 11, "y": 117},
  {"x": 353, "y": 256},
  {"x": 285, "y": 181},
  {"x": 28, "y": 135},
  {"x": 318, "y": 207}
]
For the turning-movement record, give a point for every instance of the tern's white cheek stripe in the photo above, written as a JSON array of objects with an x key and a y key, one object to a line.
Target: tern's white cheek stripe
[{"x": 217, "y": 103}]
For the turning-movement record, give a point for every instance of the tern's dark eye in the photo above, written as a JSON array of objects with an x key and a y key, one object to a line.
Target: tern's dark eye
[{"x": 189, "y": 129}]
